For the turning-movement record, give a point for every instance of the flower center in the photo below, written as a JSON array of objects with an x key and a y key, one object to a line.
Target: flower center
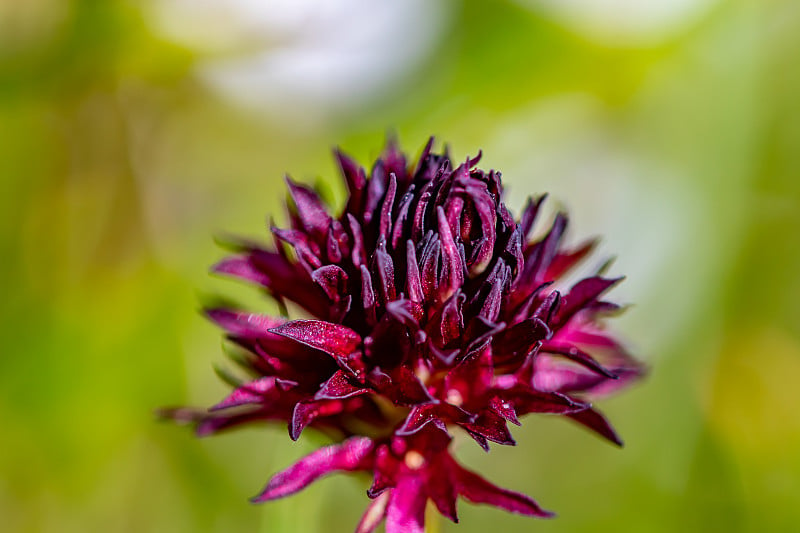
[{"x": 414, "y": 460}]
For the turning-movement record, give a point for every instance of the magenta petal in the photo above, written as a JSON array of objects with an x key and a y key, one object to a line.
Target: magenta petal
[
  {"x": 241, "y": 324},
  {"x": 477, "y": 490},
  {"x": 443, "y": 492},
  {"x": 240, "y": 266},
  {"x": 334, "y": 339},
  {"x": 353, "y": 454},
  {"x": 253, "y": 392},
  {"x": 406, "y": 512},
  {"x": 312, "y": 213},
  {"x": 579, "y": 356},
  {"x": 306, "y": 412},
  {"x": 374, "y": 515}
]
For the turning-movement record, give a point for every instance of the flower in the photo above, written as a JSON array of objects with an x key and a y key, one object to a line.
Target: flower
[{"x": 430, "y": 310}]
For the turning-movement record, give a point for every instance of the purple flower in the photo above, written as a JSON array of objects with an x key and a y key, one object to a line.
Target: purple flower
[{"x": 430, "y": 311}]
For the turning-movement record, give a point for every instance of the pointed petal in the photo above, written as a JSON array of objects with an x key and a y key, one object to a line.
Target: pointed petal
[
  {"x": 579, "y": 356},
  {"x": 493, "y": 427},
  {"x": 240, "y": 266},
  {"x": 414, "y": 283},
  {"x": 443, "y": 492},
  {"x": 307, "y": 411},
  {"x": 384, "y": 270},
  {"x": 582, "y": 294},
  {"x": 595, "y": 421},
  {"x": 374, "y": 515},
  {"x": 333, "y": 281},
  {"x": 385, "y": 223},
  {"x": 477, "y": 490},
  {"x": 253, "y": 392},
  {"x": 338, "y": 387},
  {"x": 310, "y": 209},
  {"x": 368, "y": 301},
  {"x": 352, "y": 454},
  {"x": 358, "y": 253},
  {"x": 334, "y": 339},
  {"x": 529, "y": 215},
  {"x": 452, "y": 275},
  {"x": 242, "y": 324}
]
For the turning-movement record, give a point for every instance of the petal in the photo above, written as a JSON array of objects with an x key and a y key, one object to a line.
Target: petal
[
  {"x": 310, "y": 209},
  {"x": 384, "y": 270},
  {"x": 595, "y": 421},
  {"x": 385, "y": 223},
  {"x": 413, "y": 281},
  {"x": 528, "y": 216},
  {"x": 374, "y": 514},
  {"x": 242, "y": 324},
  {"x": 333, "y": 281},
  {"x": 334, "y": 339},
  {"x": 406, "y": 512},
  {"x": 307, "y": 411},
  {"x": 240, "y": 266},
  {"x": 352, "y": 454},
  {"x": 338, "y": 387},
  {"x": 452, "y": 275},
  {"x": 253, "y": 392},
  {"x": 538, "y": 256},
  {"x": 579, "y": 356},
  {"x": 477, "y": 490},
  {"x": 582, "y": 294},
  {"x": 493, "y": 427}
]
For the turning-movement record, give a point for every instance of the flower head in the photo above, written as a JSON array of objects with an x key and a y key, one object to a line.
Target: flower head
[{"x": 430, "y": 311}]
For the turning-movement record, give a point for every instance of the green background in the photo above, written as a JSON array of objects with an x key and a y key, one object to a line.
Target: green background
[{"x": 119, "y": 163}]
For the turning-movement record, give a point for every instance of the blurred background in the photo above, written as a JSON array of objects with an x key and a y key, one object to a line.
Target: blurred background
[{"x": 132, "y": 133}]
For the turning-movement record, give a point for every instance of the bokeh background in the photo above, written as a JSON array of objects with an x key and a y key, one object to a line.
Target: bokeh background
[{"x": 132, "y": 133}]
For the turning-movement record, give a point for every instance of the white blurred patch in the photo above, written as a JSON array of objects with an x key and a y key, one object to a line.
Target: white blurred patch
[
  {"x": 624, "y": 22},
  {"x": 647, "y": 216},
  {"x": 305, "y": 58}
]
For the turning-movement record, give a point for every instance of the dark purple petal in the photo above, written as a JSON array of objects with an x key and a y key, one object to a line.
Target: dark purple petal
[
  {"x": 452, "y": 276},
  {"x": 310, "y": 210},
  {"x": 353, "y": 454},
  {"x": 385, "y": 223},
  {"x": 492, "y": 427},
  {"x": 359, "y": 253},
  {"x": 338, "y": 387},
  {"x": 333, "y": 281},
  {"x": 355, "y": 178},
  {"x": 384, "y": 270},
  {"x": 581, "y": 294}
]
